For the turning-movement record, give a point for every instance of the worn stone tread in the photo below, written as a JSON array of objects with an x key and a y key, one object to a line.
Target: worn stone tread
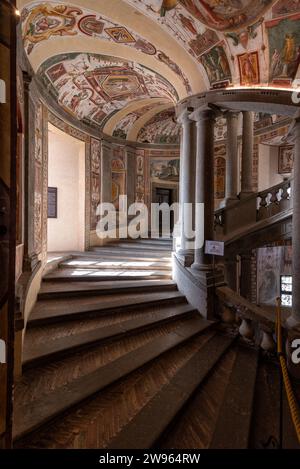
[
  {"x": 86, "y": 275},
  {"x": 38, "y": 353},
  {"x": 54, "y": 289},
  {"x": 148, "y": 426},
  {"x": 60, "y": 310},
  {"x": 109, "y": 264},
  {"x": 233, "y": 425},
  {"x": 44, "y": 409}
]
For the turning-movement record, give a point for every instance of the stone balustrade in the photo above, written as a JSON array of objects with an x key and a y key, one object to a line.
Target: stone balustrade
[
  {"x": 274, "y": 200},
  {"x": 254, "y": 208},
  {"x": 252, "y": 322}
]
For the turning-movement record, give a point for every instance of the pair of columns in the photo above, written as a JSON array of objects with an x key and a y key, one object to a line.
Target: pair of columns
[
  {"x": 197, "y": 183},
  {"x": 197, "y": 174}
]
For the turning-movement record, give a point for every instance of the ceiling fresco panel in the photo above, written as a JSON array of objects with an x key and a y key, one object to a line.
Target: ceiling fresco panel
[
  {"x": 284, "y": 49},
  {"x": 225, "y": 43},
  {"x": 226, "y": 15},
  {"x": 124, "y": 125},
  {"x": 91, "y": 86},
  {"x": 161, "y": 129},
  {"x": 42, "y": 22}
]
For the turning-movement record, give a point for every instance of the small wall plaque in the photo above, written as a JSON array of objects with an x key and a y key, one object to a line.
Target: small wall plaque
[{"x": 52, "y": 202}]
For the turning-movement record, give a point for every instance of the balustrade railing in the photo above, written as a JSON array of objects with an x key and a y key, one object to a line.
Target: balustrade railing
[
  {"x": 254, "y": 208},
  {"x": 274, "y": 200},
  {"x": 252, "y": 322}
]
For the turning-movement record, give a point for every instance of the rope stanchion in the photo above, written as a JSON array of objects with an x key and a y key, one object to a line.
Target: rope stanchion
[{"x": 293, "y": 404}]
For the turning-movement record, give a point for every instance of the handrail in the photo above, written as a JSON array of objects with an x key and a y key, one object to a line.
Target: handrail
[{"x": 293, "y": 404}]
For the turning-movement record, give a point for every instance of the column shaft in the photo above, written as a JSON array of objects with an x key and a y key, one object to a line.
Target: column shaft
[
  {"x": 204, "y": 185},
  {"x": 187, "y": 180},
  {"x": 232, "y": 157},
  {"x": 247, "y": 154}
]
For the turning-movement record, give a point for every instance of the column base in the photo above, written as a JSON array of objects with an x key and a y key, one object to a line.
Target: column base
[
  {"x": 185, "y": 257},
  {"x": 202, "y": 267},
  {"x": 230, "y": 201},
  {"x": 198, "y": 287},
  {"x": 207, "y": 276}
]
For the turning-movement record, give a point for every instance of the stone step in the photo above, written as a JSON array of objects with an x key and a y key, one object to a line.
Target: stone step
[
  {"x": 86, "y": 275},
  {"x": 195, "y": 425},
  {"x": 143, "y": 247},
  {"x": 265, "y": 426},
  {"x": 151, "y": 241},
  {"x": 107, "y": 412},
  {"x": 56, "y": 289},
  {"x": 37, "y": 353},
  {"x": 49, "y": 311},
  {"x": 147, "y": 427},
  {"x": 117, "y": 256},
  {"x": 232, "y": 429},
  {"x": 110, "y": 264},
  {"x": 38, "y": 412},
  {"x": 118, "y": 251}
]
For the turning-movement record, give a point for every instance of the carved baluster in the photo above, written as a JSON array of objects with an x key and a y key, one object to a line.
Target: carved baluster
[
  {"x": 246, "y": 330},
  {"x": 273, "y": 196},
  {"x": 262, "y": 206},
  {"x": 285, "y": 197},
  {"x": 274, "y": 202},
  {"x": 267, "y": 342},
  {"x": 228, "y": 314},
  {"x": 279, "y": 195}
]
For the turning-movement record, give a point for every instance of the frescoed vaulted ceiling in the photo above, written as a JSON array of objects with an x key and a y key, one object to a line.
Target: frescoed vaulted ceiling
[
  {"x": 122, "y": 64},
  {"x": 93, "y": 86}
]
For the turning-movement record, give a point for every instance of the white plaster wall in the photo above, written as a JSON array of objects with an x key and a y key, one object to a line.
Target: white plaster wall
[
  {"x": 66, "y": 171},
  {"x": 268, "y": 167}
]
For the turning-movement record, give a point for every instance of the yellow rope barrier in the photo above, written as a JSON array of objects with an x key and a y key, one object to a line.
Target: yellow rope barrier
[{"x": 293, "y": 405}]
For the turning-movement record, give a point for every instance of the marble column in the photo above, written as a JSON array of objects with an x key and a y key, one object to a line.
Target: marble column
[
  {"x": 294, "y": 319},
  {"x": 247, "y": 154},
  {"x": 187, "y": 183},
  {"x": 204, "y": 183},
  {"x": 232, "y": 157}
]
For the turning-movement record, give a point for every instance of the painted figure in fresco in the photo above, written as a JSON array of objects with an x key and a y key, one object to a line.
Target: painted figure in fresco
[
  {"x": 187, "y": 24},
  {"x": 248, "y": 71},
  {"x": 285, "y": 64},
  {"x": 276, "y": 64},
  {"x": 223, "y": 62},
  {"x": 288, "y": 54},
  {"x": 210, "y": 69}
]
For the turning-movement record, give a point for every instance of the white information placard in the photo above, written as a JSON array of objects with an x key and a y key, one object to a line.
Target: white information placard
[{"x": 216, "y": 248}]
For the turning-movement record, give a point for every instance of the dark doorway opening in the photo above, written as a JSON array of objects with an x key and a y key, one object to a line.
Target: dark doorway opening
[{"x": 164, "y": 196}]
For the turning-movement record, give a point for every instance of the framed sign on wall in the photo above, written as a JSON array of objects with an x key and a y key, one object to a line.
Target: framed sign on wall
[{"x": 52, "y": 202}]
